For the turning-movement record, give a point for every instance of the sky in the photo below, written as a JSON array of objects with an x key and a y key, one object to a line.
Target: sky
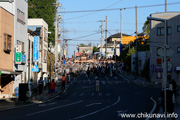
[{"x": 84, "y": 27}]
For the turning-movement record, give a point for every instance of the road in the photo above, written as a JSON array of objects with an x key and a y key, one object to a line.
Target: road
[{"x": 81, "y": 101}]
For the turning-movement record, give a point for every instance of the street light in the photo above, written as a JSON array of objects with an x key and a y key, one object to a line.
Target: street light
[{"x": 165, "y": 59}]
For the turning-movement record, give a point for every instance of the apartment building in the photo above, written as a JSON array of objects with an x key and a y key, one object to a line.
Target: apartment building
[
  {"x": 157, "y": 40},
  {"x": 40, "y": 27}
]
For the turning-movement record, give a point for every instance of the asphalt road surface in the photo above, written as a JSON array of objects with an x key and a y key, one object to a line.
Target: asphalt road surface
[{"x": 117, "y": 96}]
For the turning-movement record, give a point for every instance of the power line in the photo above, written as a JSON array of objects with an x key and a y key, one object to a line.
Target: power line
[
  {"x": 98, "y": 10},
  {"x": 86, "y": 35}
]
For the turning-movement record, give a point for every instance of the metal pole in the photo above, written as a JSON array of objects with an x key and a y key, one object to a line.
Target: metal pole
[
  {"x": 101, "y": 35},
  {"x": 165, "y": 65},
  {"x": 106, "y": 39},
  {"x": 165, "y": 5},
  {"x": 121, "y": 29},
  {"x": 136, "y": 46}
]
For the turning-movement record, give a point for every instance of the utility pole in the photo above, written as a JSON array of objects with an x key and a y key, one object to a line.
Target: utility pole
[
  {"x": 136, "y": 46},
  {"x": 165, "y": 5},
  {"x": 101, "y": 42},
  {"x": 56, "y": 32},
  {"x": 106, "y": 39},
  {"x": 63, "y": 40},
  {"x": 121, "y": 28}
]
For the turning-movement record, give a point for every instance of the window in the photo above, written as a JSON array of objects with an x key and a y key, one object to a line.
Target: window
[
  {"x": 178, "y": 28},
  {"x": 160, "y": 31},
  {"x": 169, "y": 30},
  {"x": 20, "y": 16},
  {"x": 178, "y": 49},
  {"x": 7, "y": 43}
]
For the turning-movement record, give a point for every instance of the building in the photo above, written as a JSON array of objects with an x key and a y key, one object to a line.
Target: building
[
  {"x": 143, "y": 57},
  {"x": 20, "y": 11},
  {"x": 126, "y": 39},
  {"x": 6, "y": 53},
  {"x": 40, "y": 27},
  {"x": 157, "y": 40}
]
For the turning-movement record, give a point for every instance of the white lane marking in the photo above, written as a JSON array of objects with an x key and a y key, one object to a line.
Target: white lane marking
[
  {"x": 103, "y": 82},
  {"x": 108, "y": 94},
  {"x": 42, "y": 105},
  {"x": 123, "y": 77},
  {"x": 81, "y": 94},
  {"x": 53, "y": 98},
  {"x": 73, "y": 94},
  {"x": 121, "y": 112},
  {"x": 115, "y": 78},
  {"x": 154, "y": 107},
  {"x": 53, "y": 108},
  {"x": 93, "y": 104},
  {"x": 52, "y": 103},
  {"x": 97, "y": 110},
  {"x": 106, "y": 78},
  {"x": 99, "y": 94}
]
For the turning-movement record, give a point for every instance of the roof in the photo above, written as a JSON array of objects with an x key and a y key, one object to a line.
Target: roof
[{"x": 117, "y": 35}]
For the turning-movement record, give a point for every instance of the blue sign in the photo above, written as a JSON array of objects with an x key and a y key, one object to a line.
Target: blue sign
[
  {"x": 120, "y": 48},
  {"x": 36, "y": 49},
  {"x": 64, "y": 62},
  {"x": 16, "y": 90},
  {"x": 35, "y": 68},
  {"x": 23, "y": 59}
]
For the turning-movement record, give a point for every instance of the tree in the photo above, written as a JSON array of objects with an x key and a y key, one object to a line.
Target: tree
[
  {"x": 43, "y": 9},
  {"x": 146, "y": 28},
  {"x": 95, "y": 49}
]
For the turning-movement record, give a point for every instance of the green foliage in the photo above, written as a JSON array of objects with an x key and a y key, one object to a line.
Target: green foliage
[
  {"x": 146, "y": 27},
  {"x": 95, "y": 49},
  {"x": 46, "y": 10}
]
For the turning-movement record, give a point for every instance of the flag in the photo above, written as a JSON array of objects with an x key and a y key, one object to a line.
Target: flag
[{"x": 120, "y": 48}]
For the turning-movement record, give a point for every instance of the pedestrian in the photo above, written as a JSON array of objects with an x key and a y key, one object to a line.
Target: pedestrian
[
  {"x": 40, "y": 82},
  {"x": 88, "y": 72},
  {"x": 52, "y": 87},
  {"x": 174, "y": 86},
  {"x": 97, "y": 84},
  {"x": 169, "y": 101},
  {"x": 63, "y": 81}
]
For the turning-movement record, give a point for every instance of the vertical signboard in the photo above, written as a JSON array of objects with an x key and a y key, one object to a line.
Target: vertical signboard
[
  {"x": 18, "y": 54},
  {"x": 36, "y": 49}
]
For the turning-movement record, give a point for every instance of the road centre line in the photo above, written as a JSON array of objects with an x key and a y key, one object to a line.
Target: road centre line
[
  {"x": 93, "y": 104},
  {"x": 54, "y": 108},
  {"x": 97, "y": 110}
]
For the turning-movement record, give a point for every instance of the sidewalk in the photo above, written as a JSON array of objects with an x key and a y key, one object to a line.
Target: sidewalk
[{"x": 13, "y": 102}]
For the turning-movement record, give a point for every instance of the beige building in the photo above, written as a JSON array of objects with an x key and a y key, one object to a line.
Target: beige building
[
  {"x": 6, "y": 53},
  {"x": 157, "y": 41}
]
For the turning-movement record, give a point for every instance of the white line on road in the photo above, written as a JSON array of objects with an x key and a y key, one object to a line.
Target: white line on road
[
  {"x": 106, "y": 78},
  {"x": 52, "y": 103},
  {"x": 154, "y": 107},
  {"x": 98, "y": 110},
  {"x": 53, "y": 108},
  {"x": 93, "y": 104}
]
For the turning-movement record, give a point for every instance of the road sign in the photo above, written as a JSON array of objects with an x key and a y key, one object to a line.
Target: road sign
[
  {"x": 0, "y": 72},
  {"x": 35, "y": 68},
  {"x": 36, "y": 49},
  {"x": 18, "y": 54},
  {"x": 169, "y": 51}
]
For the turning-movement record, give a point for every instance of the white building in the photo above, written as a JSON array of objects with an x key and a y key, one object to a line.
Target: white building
[
  {"x": 19, "y": 8},
  {"x": 40, "y": 27}
]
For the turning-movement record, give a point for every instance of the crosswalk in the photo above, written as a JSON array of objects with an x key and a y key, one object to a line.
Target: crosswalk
[
  {"x": 101, "y": 82},
  {"x": 92, "y": 94}
]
